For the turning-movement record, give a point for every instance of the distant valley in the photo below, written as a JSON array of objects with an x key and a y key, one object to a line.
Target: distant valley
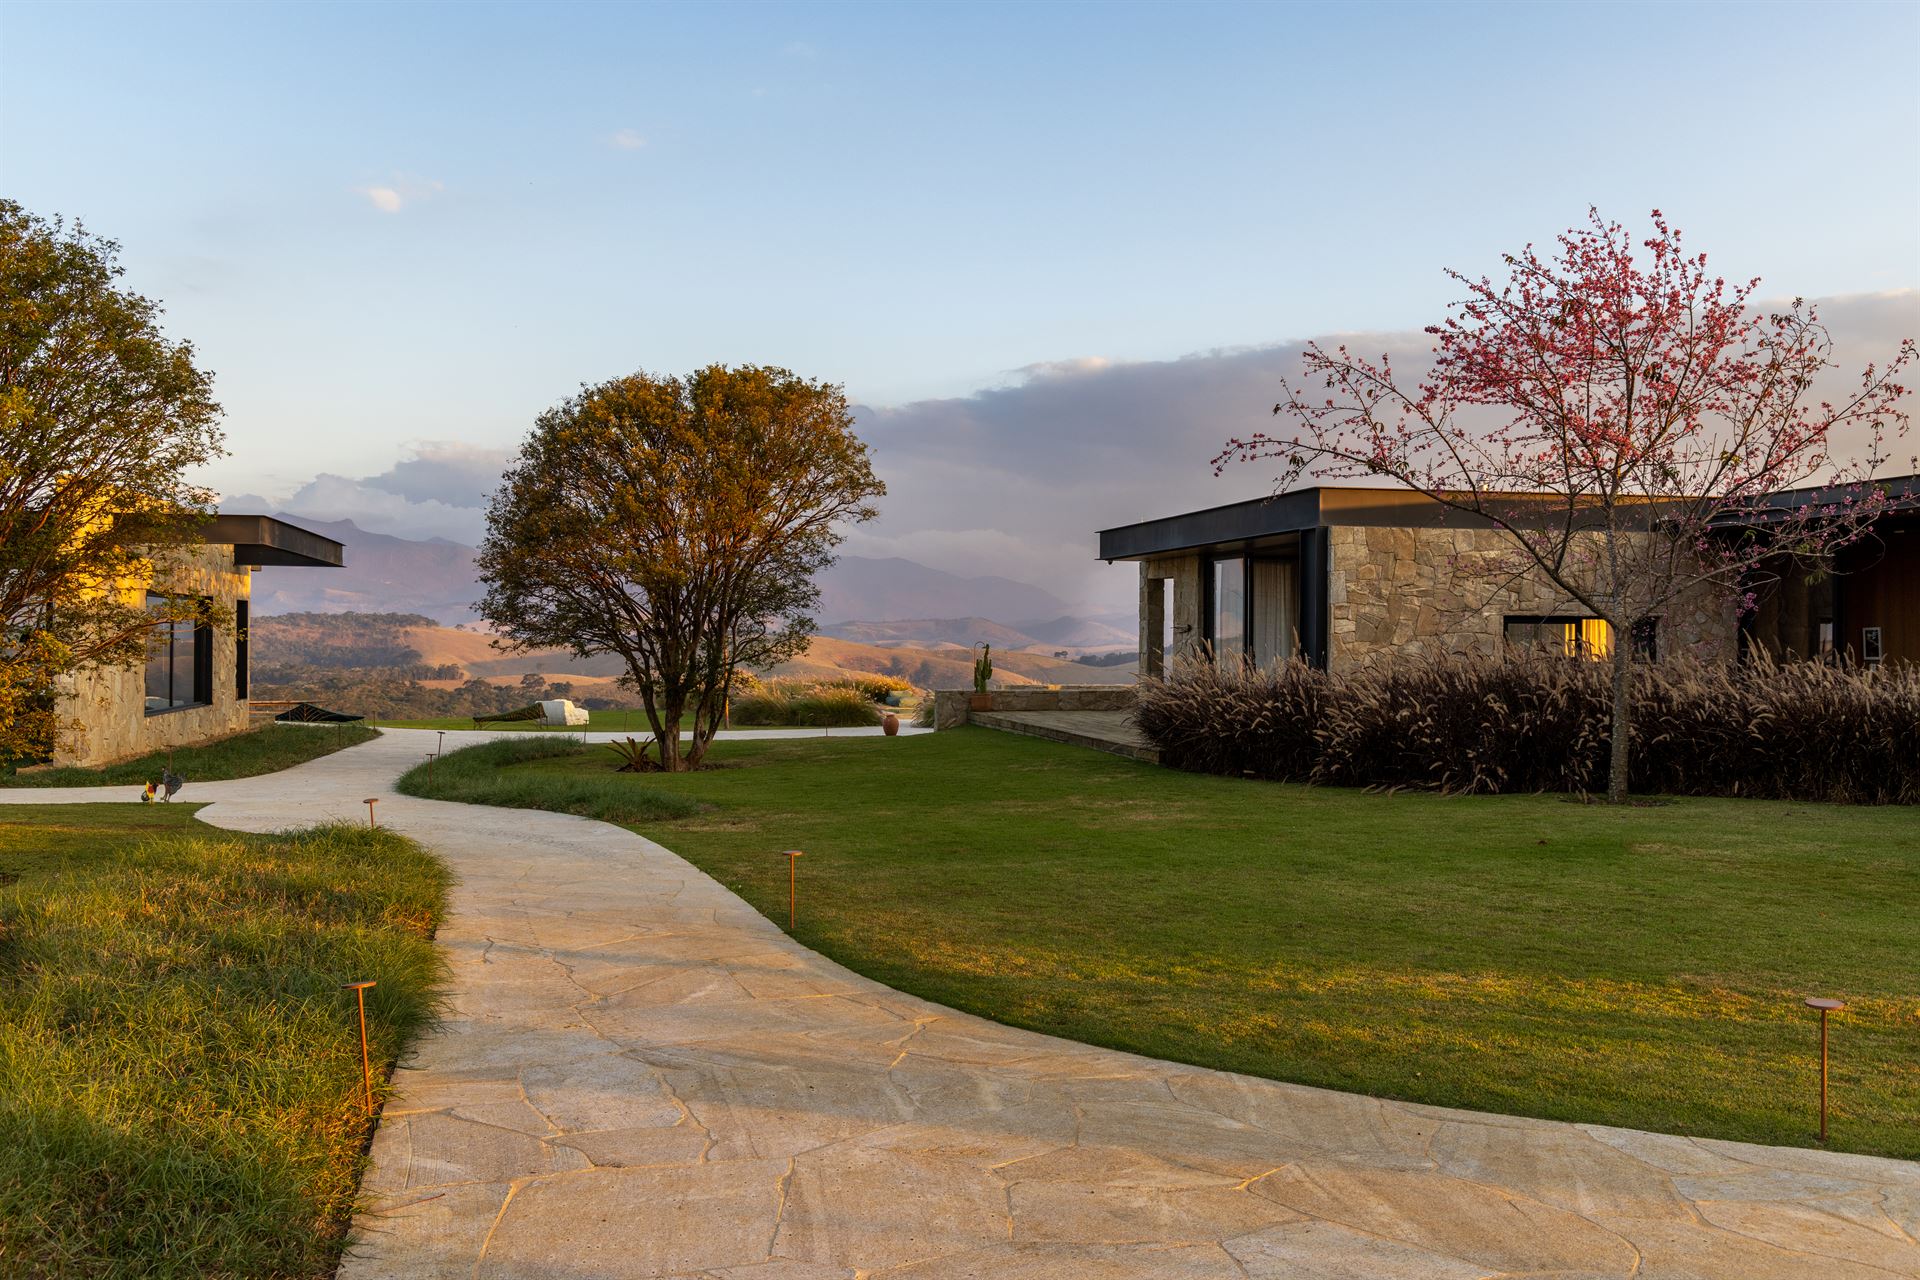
[{"x": 879, "y": 602}]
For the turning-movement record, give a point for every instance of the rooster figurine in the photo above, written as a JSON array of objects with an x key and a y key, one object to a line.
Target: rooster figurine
[
  {"x": 172, "y": 782},
  {"x": 146, "y": 792}
]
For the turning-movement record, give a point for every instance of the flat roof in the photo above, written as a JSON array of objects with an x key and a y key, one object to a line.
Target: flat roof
[
  {"x": 1276, "y": 515},
  {"x": 263, "y": 540}
]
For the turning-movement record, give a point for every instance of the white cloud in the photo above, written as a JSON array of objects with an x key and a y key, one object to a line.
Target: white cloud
[
  {"x": 394, "y": 196},
  {"x": 1016, "y": 480},
  {"x": 626, "y": 140}
]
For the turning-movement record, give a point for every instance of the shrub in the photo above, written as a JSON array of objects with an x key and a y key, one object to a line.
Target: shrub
[
  {"x": 1801, "y": 731},
  {"x": 791, "y": 702}
]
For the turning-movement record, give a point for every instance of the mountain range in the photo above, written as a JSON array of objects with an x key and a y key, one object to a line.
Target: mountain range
[{"x": 888, "y": 601}]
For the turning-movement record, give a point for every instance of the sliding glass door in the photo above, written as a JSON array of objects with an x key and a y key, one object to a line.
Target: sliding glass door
[
  {"x": 1254, "y": 613},
  {"x": 1229, "y": 621}
]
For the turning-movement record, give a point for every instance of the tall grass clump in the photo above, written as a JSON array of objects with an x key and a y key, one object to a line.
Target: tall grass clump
[
  {"x": 180, "y": 1080},
  {"x": 1534, "y": 722},
  {"x": 804, "y": 704},
  {"x": 487, "y": 774}
]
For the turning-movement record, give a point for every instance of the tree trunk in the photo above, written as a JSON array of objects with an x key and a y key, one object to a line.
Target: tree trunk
[{"x": 1622, "y": 715}]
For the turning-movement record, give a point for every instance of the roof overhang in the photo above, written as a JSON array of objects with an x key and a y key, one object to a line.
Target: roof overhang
[{"x": 263, "y": 540}]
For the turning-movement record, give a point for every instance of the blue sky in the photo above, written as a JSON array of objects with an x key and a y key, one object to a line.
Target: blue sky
[{"x": 387, "y": 226}]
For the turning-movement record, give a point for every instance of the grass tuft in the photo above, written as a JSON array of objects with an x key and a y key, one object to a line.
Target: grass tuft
[{"x": 180, "y": 1083}]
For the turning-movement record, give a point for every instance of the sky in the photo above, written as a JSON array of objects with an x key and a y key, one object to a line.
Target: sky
[{"x": 397, "y": 232}]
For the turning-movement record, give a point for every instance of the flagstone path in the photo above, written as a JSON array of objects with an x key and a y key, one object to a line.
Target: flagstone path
[{"x": 640, "y": 1076}]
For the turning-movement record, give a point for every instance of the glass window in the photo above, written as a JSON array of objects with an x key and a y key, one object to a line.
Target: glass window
[
  {"x": 1590, "y": 638},
  {"x": 179, "y": 662},
  {"x": 1229, "y": 611}
]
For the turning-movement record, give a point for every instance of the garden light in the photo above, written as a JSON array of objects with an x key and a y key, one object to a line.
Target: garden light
[
  {"x": 793, "y": 886},
  {"x": 1825, "y": 1006},
  {"x": 359, "y": 990},
  {"x": 372, "y": 801}
]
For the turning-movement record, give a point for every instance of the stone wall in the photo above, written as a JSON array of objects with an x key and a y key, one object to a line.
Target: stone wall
[
  {"x": 1170, "y": 583},
  {"x": 1419, "y": 591},
  {"x": 102, "y": 711},
  {"x": 950, "y": 706}
]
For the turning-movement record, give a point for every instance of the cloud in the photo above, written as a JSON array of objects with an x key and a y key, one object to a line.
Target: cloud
[
  {"x": 626, "y": 140},
  {"x": 439, "y": 490},
  {"x": 396, "y": 195},
  {"x": 1016, "y": 480}
]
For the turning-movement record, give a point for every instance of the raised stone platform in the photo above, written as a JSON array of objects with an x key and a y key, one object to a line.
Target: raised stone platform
[{"x": 1112, "y": 731}]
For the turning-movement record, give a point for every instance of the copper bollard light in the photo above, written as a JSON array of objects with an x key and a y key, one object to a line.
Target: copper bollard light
[
  {"x": 359, "y": 990},
  {"x": 372, "y": 801},
  {"x": 793, "y": 886},
  {"x": 1825, "y": 1006}
]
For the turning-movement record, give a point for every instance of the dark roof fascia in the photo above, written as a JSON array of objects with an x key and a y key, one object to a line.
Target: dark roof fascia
[
  {"x": 1236, "y": 522},
  {"x": 263, "y": 540},
  {"x": 1903, "y": 496}
]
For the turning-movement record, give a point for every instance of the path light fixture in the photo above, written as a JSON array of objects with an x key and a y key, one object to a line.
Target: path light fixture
[
  {"x": 793, "y": 886},
  {"x": 1825, "y": 1006},
  {"x": 372, "y": 801},
  {"x": 359, "y": 990}
]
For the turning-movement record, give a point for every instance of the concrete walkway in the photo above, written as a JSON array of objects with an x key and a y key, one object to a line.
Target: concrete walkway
[{"x": 640, "y": 1076}]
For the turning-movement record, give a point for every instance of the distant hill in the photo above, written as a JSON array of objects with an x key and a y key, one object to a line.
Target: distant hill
[
  {"x": 383, "y": 574},
  {"x": 435, "y": 577},
  {"x": 415, "y": 648},
  {"x": 856, "y": 588}
]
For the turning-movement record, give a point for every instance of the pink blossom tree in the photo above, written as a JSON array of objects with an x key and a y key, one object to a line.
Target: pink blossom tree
[{"x": 1626, "y": 420}]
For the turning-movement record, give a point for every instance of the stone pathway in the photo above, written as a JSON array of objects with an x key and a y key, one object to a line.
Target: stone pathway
[{"x": 640, "y": 1076}]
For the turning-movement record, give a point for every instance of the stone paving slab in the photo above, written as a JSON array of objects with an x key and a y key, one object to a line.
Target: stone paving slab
[{"x": 638, "y": 1076}]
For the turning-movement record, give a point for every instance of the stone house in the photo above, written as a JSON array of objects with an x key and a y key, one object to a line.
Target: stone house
[
  {"x": 1341, "y": 576},
  {"x": 193, "y": 686}
]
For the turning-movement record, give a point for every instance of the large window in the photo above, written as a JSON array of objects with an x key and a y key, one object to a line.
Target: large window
[
  {"x": 1578, "y": 637},
  {"x": 1229, "y": 612},
  {"x": 179, "y": 662}
]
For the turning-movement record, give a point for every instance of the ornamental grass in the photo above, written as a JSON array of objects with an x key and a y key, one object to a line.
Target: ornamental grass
[{"x": 1532, "y": 722}]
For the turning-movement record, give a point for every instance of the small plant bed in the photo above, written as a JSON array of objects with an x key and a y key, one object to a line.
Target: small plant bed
[
  {"x": 180, "y": 1077},
  {"x": 1642, "y": 967},
  {"x": 833, "y": 704},
  {"x": 268, "y": 749}
]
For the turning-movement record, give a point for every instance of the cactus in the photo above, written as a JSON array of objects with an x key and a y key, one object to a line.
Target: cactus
[{"x": 983, "y": 669}]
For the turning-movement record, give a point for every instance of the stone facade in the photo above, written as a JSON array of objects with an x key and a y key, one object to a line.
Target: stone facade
[
  {"x": 950, "y": 706},
  {"x": 1399, "y": 590},
  {"x": 103, "y": 710},
  {"x": 1170, "y": 584}
]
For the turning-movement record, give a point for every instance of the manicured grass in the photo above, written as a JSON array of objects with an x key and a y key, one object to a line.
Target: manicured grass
[
  {"x": 485, "y": 774},
  {"x": 1522, "y": 954},
  {"x": 267, "y": 749},
  {"x": 180, "y": 1080}
]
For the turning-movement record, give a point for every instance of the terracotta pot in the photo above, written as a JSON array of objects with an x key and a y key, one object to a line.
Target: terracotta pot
[
  {"x": 890, "y": 724},
  {"x": 979, "y": 702}
]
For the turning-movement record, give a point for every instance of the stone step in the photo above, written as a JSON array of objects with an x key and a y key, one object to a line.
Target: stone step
[{"x": 1034, "y": 725}]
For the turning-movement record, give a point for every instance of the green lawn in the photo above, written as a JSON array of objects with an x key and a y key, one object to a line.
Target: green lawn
[
  {"x": 180, "y": 1080},
  {"x": 268, "y": 749},
  {"x": 1524, "y": 954}
]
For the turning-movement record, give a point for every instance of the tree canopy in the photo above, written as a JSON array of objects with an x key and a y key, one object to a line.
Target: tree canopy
[
  {"x": 678, "y": 523},
  {"x": 1626, "y": 419},
  {"x": 101, "y": 416}
]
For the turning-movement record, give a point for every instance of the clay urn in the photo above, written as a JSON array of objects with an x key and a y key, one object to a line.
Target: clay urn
[{"x": 890, "y": 724}]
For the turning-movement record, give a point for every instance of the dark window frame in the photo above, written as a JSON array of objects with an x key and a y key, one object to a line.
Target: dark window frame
[
  {"x": 200, "y": 690},
  {"x": 1646, "y": 632}
]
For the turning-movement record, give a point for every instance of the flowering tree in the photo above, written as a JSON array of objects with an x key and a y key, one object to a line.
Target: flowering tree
[{"x": 1624, "y": 420}]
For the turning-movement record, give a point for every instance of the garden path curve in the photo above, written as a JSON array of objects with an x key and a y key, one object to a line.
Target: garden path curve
[{"x": 641, "y": 1076}]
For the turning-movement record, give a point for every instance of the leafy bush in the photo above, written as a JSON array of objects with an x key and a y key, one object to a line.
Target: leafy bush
[
  {"x": 1799, "y": 731},
  {"x": 792, "y": 702}
]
